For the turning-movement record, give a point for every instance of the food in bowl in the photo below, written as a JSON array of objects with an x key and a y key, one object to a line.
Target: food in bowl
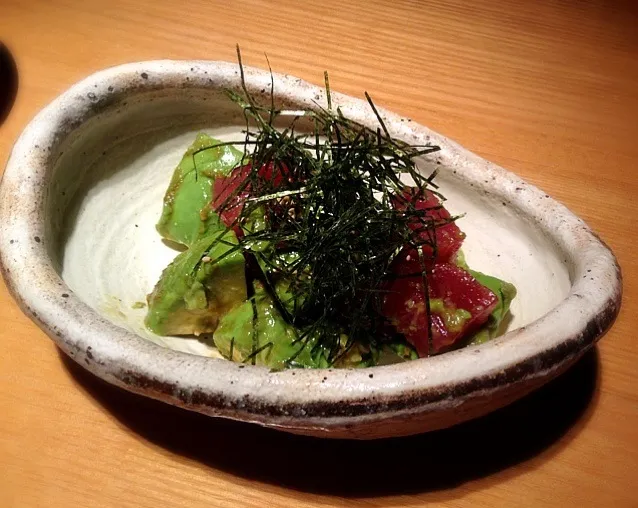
[{"x": 317, "y": 249}]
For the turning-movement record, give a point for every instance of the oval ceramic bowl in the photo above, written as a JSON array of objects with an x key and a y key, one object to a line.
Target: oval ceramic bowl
[{"x": 83, "y": 189}]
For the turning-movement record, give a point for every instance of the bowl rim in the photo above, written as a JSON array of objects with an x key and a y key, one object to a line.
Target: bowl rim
[{"x": 322, "y": 397}]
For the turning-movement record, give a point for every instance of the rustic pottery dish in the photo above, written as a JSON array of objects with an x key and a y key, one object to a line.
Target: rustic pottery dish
[{"x": 83, "y": 190}]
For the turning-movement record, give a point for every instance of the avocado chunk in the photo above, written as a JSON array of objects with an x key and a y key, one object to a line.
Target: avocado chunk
[
  {"x": 256, "y": 331},
  {"x": 397, "y": 351},
  {"x": 505, "y": 292},
  {"x": 187, "y": 215},
  {"x": 198, "y": 287}
]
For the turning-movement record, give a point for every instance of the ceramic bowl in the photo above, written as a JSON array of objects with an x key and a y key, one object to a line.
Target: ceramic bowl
[{"x": 83, "y": 190}]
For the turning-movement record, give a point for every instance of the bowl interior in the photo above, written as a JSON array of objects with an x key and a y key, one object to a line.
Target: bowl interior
[{"x": 106, "y": 197}]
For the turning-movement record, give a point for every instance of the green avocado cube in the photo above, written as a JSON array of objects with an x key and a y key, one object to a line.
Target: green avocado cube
[
  {"x": 256, "y": 331},
  {"x": 187, "y": 215},
  {"x": 198, "y": 287},
  {"x": 505, "y": 292}
]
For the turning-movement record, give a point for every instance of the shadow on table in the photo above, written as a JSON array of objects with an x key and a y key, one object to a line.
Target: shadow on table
[{"x": 428, "y": 462}]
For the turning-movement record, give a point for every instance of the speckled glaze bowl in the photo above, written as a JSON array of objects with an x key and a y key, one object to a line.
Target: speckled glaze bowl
[{"x": 83, "y": 189}]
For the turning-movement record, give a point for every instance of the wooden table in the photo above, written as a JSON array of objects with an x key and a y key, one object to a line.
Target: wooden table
[{"x": 547, "y": 88}]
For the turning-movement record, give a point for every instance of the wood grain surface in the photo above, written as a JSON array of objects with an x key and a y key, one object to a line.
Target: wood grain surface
[{"x": 548, "y": 89}]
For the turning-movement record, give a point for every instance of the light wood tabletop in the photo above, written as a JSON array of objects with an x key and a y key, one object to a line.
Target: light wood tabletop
[{"x": 547, "y": 89}]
